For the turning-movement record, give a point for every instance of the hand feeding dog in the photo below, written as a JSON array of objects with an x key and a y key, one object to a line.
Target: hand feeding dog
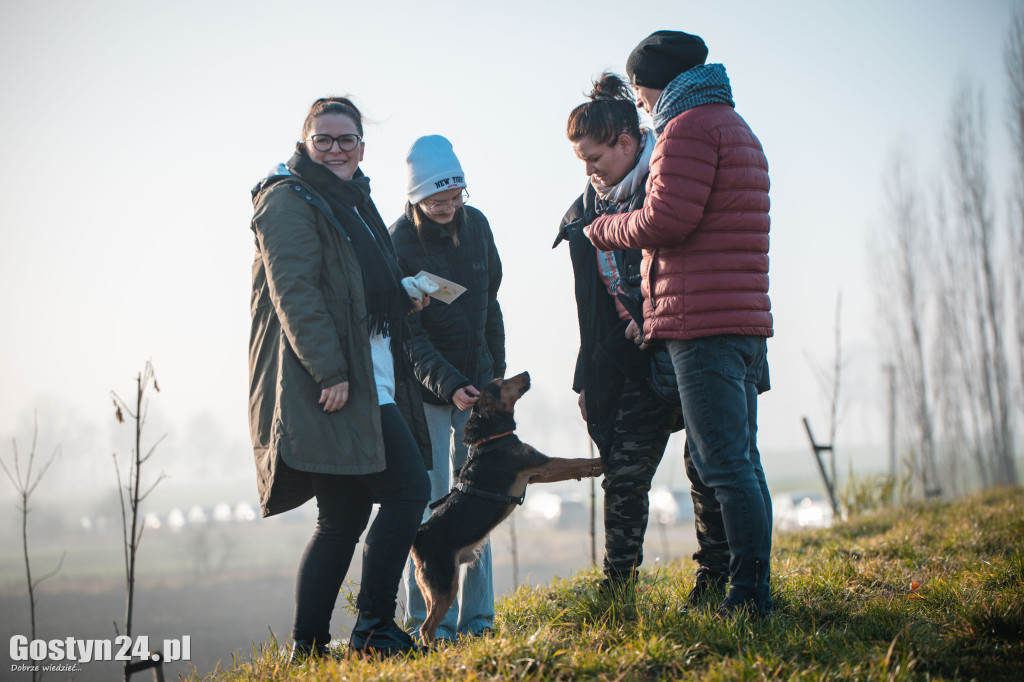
[{"x": 492, "y": 483}]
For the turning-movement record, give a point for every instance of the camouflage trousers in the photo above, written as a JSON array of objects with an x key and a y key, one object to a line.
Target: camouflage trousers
[{"x": 639, "y": 437}]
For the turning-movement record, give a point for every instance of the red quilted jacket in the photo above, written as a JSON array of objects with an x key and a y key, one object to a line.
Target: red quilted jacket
[{"x": 703, "y": 229}]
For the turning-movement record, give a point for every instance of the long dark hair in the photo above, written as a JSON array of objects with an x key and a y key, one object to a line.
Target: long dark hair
[
  {"x": 610, "y": 112},
  {"x": 420, "y": 220}
]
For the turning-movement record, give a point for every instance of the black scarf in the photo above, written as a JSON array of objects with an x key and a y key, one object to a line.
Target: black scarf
[{"x": 349, "y": 200}]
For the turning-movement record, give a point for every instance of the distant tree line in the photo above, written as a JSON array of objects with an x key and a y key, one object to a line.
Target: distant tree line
[{"x": 950, "y": 292}]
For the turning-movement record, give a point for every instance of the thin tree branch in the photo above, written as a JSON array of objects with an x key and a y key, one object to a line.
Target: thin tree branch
[{"x": 60, "y": 564}]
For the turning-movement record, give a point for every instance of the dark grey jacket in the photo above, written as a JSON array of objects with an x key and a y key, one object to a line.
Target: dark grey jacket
[{"x": 461, "y": 343}]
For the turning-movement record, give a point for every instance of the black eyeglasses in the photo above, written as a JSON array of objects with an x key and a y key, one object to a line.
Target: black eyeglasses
[{"x": 324, "y": 143}]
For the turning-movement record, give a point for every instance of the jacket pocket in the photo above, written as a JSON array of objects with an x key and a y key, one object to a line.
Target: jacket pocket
[
  {"x": 650, "y": 278},
  {"x": 340, "y": 308}
]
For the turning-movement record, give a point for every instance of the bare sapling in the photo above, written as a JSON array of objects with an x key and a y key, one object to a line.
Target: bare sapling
[
  {"x": 25, "y": 484},
  {"x": 130, "y": 489}
]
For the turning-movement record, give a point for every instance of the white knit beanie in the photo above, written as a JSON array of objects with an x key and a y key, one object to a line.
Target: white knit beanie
[{"x": 433, "y": 167}]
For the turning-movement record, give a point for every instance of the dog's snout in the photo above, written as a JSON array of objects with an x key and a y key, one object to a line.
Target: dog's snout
[{"x": 521, "y": 382}]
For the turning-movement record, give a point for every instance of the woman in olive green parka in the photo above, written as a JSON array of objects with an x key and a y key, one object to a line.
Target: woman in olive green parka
[
  {"x": 313, "y": 352},
  {"x": 334, "y": 410}
]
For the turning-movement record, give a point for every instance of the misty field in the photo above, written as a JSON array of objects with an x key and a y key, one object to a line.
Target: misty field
[{"x": 230, "y": 586}]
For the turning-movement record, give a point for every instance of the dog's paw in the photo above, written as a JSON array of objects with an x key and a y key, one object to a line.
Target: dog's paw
[{"x": 597, "y": 468}]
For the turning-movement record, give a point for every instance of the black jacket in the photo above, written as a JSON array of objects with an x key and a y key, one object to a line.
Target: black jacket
[
  {"x": 461, "y": 343},
  {"x": 606, "y": 356}
]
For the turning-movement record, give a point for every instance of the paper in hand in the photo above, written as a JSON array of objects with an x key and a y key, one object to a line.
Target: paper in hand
[
  {"x": 418, "y": 287},
  {"x": 447, "y": 291}
]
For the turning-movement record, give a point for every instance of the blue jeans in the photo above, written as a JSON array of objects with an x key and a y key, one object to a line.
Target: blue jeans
[
  {"x": 719, "y": 379},
  {"x": 473, "y": 610}
]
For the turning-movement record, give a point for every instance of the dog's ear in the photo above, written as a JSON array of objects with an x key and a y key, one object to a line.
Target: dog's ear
[{"x": 490, "y": 396}]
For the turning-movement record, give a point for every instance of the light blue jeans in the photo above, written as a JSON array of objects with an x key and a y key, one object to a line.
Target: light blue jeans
[{"x": 473, "y": 610}]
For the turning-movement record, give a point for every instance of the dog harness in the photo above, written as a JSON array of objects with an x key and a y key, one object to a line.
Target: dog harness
[
  {"x": 480, "y": 447},
  {"x": 479, "y": 492},
  {"x": 488, "y": 495}
]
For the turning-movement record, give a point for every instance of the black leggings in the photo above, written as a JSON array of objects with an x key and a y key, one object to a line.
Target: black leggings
[{"x": 344, "y": 503}]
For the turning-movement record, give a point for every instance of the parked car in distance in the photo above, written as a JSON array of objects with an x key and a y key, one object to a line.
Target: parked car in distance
[{"x": 800, "y": 509}]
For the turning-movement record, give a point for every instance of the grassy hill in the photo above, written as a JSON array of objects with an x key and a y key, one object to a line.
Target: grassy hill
[{"x": 928, "y": 592}]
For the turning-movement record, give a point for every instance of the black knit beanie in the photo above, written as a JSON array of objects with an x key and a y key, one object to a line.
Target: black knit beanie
[{"x": 662, "y": 56}]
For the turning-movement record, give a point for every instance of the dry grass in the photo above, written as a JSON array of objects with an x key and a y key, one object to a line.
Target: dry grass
[{"x": 928, "y": 592}]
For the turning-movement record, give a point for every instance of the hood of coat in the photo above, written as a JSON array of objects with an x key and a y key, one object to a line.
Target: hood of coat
[
  {"x": 274, "y": 175},
  {"x": 278, "y": 173}
]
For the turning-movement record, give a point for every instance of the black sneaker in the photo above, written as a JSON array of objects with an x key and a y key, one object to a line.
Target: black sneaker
[{"x": 381, "y": 636}]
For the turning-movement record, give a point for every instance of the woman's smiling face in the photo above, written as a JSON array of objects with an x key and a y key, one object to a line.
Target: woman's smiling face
[{"x": 341, "y": 163}]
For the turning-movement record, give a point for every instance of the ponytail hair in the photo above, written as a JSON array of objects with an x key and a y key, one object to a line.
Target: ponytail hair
[
  {"x": 332, "y": 105},
  {"x": 610, "y": 112}
]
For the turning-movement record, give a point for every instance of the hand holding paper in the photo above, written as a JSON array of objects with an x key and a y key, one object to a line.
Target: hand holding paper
[
  {"x": 444, "y": 290},
  {"x": 419, "y": 286}
]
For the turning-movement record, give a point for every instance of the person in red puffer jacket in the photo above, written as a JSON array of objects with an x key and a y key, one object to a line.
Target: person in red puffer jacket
[{"x": 704, "y": 233}]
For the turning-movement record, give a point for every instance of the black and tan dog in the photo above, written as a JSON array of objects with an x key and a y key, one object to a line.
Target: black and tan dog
[{"x": 490, "y": 485}]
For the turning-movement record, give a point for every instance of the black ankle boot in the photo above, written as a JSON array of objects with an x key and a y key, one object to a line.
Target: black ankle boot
[
  {"x": 380, "y": 635},
  {"x": 734, "y": 605},
  {"x": 754, "y": 601},
  {"x": 707, "y": 589},
  {"x": 304, "y": 649},
  {"x": 618, "y": 583}
]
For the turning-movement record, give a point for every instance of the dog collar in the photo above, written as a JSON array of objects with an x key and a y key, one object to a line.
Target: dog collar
[{"x": 488, "y": 439}]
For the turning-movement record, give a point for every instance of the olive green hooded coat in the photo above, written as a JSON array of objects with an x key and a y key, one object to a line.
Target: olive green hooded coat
[{"x": 308, "y": 333}]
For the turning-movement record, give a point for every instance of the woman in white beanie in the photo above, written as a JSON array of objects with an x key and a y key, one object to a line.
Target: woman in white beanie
[{"x": 458, "y": 347}]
